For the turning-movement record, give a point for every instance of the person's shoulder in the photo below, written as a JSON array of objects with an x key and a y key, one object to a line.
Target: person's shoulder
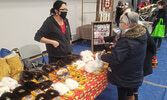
[
  {"x": 49, "y": 18},
  {"x": 66, "y": 20}
]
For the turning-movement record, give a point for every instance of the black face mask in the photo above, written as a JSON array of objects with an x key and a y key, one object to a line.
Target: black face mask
[{"x": 63, "y": 15}]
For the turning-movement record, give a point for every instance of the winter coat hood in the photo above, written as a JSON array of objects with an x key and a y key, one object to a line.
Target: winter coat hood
[{"x": 136, "y": 32}]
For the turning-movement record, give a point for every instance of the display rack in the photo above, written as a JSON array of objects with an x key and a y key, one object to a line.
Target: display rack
[{"x": 103, "y": 28}]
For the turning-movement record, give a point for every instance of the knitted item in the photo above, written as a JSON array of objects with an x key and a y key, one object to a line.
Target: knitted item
[
  {"x": 15, "y": 65},
  {"x": 5, "y": 70}
]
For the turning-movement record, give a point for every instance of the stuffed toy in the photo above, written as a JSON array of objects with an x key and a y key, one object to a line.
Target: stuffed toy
[
  {"x": 62, "y": 74},
  {"x": 65, "y": 61},
  {"x": 47, "y": 69},
  {"x": 63, "y": 89},
  {"x": 50, "y": 94},
  {"x": 28, "y": 97},
  {"x": 87, "y": 58},
  {"x": 36, "y": 76},
  {"x": 105, "y": 66},
  {"x": 75, "y": 56},
  {"x": 76, "y": 74},
  {"x": 71, "y": 84},
  {"x": 36, "y": 92},
  {"x": 50, "y": 71},
  {"x": 90, "y": 67},
  {"x": 60, "y": 63},
  {"x": 8, "y": 96},
  {"x": 69, "y": 58},
  {"x": 3, "y": 88},
  {"x": 45, "y": 84},
  {"x": 15, "y": 65},
  {"x": 5, "y": 69},
  {"x": 54, "y": 65},
  {"x": 80, "y": 64},
  {"x": 41, "y": 96},
  {"x": 25, "y": 76},
  {"x": 86, "y": 53},
  {"x": 40, "y": 75},
  {"x": 30, "y": 85},
  {"x": 9, "y": 82},
  {"x": 21, "y": 92}
]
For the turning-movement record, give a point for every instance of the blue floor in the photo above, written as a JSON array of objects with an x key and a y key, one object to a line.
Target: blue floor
[
  {"x": 154, "y": 86},
  {"x": 81, "y": 46}
]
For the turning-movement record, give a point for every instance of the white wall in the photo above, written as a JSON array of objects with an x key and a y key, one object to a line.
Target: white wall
[
  {"x": 89, "y": 11},
  {"x": 20, "y": 19}
]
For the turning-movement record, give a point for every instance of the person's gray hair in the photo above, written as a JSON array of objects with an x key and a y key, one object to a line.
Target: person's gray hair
[{"x": 131, "y": 18}]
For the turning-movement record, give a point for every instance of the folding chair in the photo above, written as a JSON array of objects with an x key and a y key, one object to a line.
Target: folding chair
[{"x": 30, "y": 51}]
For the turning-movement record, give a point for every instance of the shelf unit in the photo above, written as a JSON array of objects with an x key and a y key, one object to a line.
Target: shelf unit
[{"x": 103, "y": 28}]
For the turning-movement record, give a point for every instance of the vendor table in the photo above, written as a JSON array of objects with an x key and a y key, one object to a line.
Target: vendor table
[{"x": 95, "y": 85}]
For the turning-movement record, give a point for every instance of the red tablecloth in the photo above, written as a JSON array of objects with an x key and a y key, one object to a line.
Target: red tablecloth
[{"x": 95, "y": 85}]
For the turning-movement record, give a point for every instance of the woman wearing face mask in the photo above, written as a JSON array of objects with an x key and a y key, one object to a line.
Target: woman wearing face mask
[
  {"x": 162, "y": 13},
  {"x": 126, "y": 60},
  {"x": 55, "y": 33}
]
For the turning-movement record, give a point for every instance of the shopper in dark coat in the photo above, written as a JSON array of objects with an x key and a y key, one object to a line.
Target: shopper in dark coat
[
  {"x": 127, "y": 58},
  {"x": 151, "y": 51}
]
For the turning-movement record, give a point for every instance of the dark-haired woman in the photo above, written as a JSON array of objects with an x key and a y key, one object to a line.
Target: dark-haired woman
[
  {"x": 119, "y": 12},
  {"x": 55, "y": 33}
]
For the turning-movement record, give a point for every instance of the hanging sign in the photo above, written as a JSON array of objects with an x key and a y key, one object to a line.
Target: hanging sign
[{"x": 107, "y": 5}]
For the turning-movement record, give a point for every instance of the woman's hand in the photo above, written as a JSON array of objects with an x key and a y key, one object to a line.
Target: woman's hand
[
  {"x": 55, "y": 43},
  {"x": 101, "y": 37},
  {"x": 109, "y": 69},
  {"x": 71, "y": 42}
]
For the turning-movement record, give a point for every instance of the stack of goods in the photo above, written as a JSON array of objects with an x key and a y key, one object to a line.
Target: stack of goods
[
  {"x": 7, "y": 85},
  {"x": 56, "y": 80}
]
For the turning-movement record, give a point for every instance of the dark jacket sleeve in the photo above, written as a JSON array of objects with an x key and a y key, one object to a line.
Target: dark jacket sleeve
[
  {"x": 109, "y": 38},
  {"x": 69, "y": 28},
  {"x": 151, "y": 44},
  {"x": 42, "y": 32},
  {"x": 118, "y": 55}
]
